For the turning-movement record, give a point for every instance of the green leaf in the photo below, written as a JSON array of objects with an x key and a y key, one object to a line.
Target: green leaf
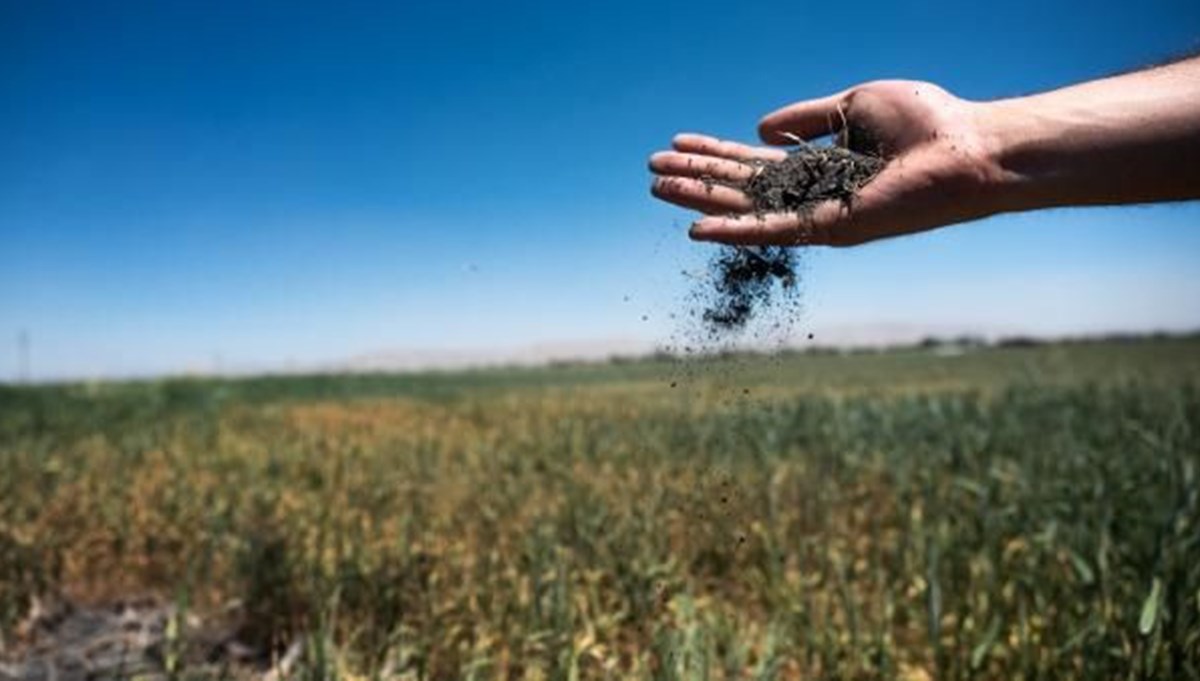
[
  {"x": 1082, "y": 568},
  {"x": 1150, "y": 609},
  {"x": 980, "y": 653}
]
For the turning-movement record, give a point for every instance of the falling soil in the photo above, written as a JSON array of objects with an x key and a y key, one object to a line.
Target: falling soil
[{"x": 746, "y": 279}]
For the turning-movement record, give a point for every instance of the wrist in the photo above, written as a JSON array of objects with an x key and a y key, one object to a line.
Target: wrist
[{"x": 1016, "y": 144}]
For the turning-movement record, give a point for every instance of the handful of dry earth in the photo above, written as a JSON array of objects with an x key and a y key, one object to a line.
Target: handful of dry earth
[{"x": 744, "y": 278}]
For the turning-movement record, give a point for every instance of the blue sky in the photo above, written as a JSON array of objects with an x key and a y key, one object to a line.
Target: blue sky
[{"x": 302, "y": 182}]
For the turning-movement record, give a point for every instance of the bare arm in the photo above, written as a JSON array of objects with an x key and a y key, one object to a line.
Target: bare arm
[{"x": 1126, "y": 139}]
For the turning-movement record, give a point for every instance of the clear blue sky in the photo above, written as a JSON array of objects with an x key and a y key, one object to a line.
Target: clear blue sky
[{"x": 295, "y": 181}]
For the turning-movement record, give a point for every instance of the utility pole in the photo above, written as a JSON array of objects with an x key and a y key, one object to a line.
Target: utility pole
[{"x": 24, "y": 375}]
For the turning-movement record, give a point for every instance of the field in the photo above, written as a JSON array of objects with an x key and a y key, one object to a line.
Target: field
[{"x": 1005, "y": 513}]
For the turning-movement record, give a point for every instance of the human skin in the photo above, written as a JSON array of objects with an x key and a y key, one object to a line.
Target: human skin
[{"x": 1132, "y": 138}]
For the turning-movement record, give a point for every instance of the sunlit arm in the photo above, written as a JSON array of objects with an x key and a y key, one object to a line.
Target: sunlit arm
[{"x": 1126, "y": 139}]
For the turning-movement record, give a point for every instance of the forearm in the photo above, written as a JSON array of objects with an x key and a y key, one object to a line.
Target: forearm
[{"x": 1126, "y": 139}]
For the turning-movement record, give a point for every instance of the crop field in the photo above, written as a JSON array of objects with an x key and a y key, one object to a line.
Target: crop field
[{"x": 1000, "y": 513}]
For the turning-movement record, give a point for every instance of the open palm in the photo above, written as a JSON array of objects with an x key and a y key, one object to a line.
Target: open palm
[{"x": 936, "y": 174}]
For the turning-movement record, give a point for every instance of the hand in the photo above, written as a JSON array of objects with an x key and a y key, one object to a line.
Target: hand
[{"x": 939, "y": 168}]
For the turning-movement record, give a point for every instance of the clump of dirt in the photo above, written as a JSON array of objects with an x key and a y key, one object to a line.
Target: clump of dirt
[
  {"x": 139, "y": 637},
  {"x": 745, "y": 279},
  {"x": 809, "y": 175}
]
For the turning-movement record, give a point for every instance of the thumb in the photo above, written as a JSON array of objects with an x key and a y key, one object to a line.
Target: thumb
[{"x": 807, "y": 120}]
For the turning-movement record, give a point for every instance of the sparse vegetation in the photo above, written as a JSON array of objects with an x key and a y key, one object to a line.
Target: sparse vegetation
[{"x": 1004, "y": 514}]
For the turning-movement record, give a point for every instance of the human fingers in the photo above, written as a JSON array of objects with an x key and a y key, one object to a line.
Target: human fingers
[
  {"x": 711, "y": 146},
  {"x": 804, "y": 120},
  {"x": 770, "y": 229},
  {"x": 706, "y": 197},
  {"x": 695, "y": 165}
]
